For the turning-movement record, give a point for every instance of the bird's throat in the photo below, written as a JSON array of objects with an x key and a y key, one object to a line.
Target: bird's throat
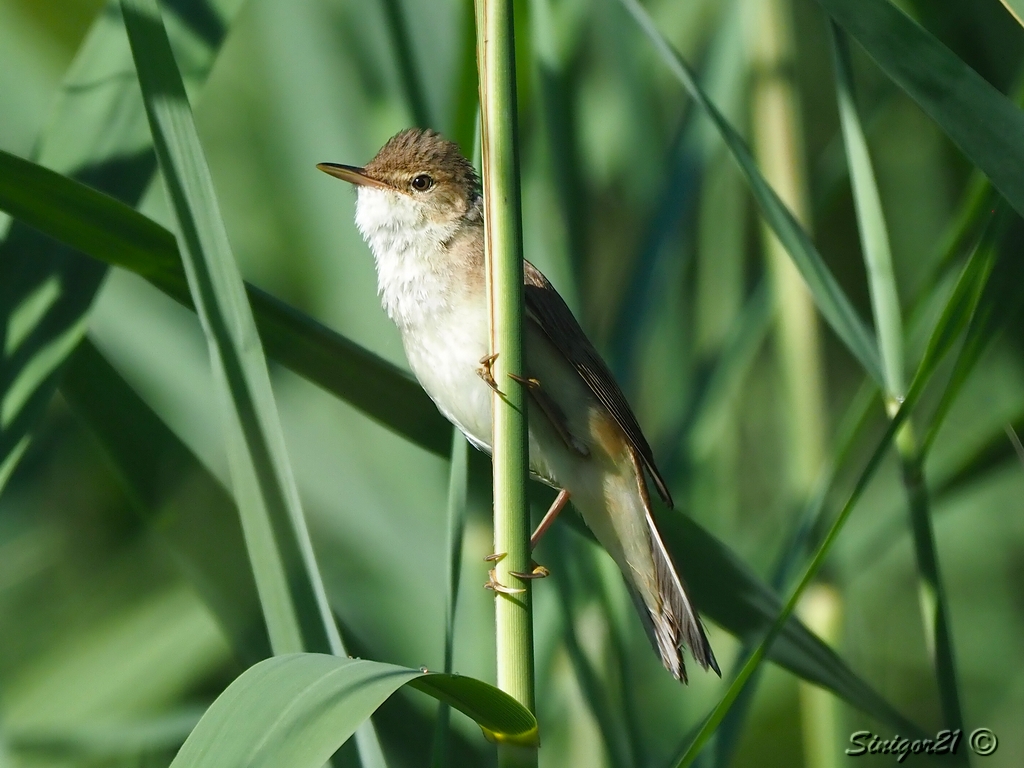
[{"x": 425, "y": 264}]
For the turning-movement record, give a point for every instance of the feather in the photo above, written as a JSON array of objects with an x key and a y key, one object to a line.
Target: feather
[{"x": 555, "y": 319}]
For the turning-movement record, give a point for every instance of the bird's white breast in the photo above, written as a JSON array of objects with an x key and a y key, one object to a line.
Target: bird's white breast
[
  {"x": 412, "y": 278},
  {"x": 444, "y": 329}
]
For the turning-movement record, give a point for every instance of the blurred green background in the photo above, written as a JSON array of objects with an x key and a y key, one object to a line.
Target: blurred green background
[{"x": 635, "y": 211}]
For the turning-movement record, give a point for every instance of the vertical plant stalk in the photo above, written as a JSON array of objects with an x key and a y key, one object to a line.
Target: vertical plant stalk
[
  {"x": 930, "y": 588},
  {"x": 457, "y": 493},
  {"x": 885, "y": 307},
  {"x": 778, "y": 146},
  {"x": 821, "y": 610},
  {"x": 504, "y": 251}
]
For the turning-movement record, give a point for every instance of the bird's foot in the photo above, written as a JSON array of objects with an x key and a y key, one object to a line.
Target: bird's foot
[
  {"x": 533, "y": 384},
  {"x": 486, "y": 371},
  {"x": 536, "y": 572},
  {"x": 493, "y": 585}
]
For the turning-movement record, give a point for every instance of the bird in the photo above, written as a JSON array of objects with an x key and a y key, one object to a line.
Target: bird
[{"x": 419, "y": 207}]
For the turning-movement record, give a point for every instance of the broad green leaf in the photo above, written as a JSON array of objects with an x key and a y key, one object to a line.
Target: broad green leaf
[
  {"x": 114, "y": 233},
  {"x": 833, "y": 304},
  {"x": 296, "y": 710},
  {"x": 291, "y": 590},
  {"x": 97, "y": 134},
  {"x": 293, "y": 599},
  {"x": 982, "y": 122}
]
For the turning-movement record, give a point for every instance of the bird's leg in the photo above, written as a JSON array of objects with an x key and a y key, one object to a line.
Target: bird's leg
[
  {"x": 486, "y": 372},
  {"x": 539, "y": 571},
  {"x": 549, "y": 517}
]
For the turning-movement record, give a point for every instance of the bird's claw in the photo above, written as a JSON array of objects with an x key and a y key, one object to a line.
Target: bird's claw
[
  {"x": 525, "y": 381},
  {"x": 486, "y": 372},
  {"x": 494, "y": 586},
  {"x": 537, "y": 572}
]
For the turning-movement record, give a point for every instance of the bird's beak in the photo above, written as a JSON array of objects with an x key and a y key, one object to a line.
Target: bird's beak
[{"x": 351, "y": 174}]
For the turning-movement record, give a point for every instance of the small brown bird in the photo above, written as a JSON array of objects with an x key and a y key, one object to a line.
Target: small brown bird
[{"x": 419, "y": 208}]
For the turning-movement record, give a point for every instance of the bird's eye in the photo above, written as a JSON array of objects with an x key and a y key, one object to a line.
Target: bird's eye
[{"x": 422, "y": 183}]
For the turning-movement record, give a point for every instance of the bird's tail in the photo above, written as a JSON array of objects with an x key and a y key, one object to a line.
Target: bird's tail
[{"x": 668, "y": 616}]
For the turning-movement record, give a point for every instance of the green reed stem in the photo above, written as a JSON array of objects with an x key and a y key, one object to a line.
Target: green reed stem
[
  {"x": 504, "y": 249},
  {"x": 778, "y": 146}
]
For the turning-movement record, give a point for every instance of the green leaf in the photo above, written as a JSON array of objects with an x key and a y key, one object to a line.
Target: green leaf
[
  {"x": 954, "y": 319},
  {"x": 989, "y": 312},
  {"x": 290, "y": 587},
  {"x": 833, "y": 304},
  {"x": 874, "y": 235},
  {"x": 293, "y": 598},
  {"x": 1016, "y": 9},
  {"x": 116, "y": 234},
  {"x": 296, "y": 710},
  {"x": 982, "y": 122},
  {"x": 97, "y": 135}
]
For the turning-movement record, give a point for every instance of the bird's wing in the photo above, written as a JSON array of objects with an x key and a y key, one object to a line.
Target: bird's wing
[{"x": 549, "y": 311}]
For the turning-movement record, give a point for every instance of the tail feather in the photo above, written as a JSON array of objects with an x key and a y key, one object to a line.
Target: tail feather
[
  {"x": 671, "y": 620},
  {"x": 676, "y": 624}
]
